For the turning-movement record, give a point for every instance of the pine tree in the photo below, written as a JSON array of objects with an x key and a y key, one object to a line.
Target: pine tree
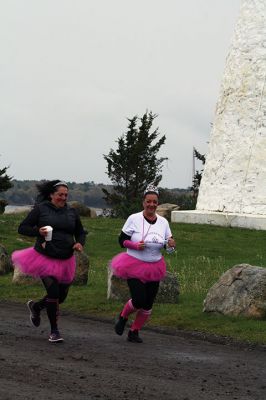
[
  {"x": 198, "y": 174},
  {"x": 134, "y": 164},
  {"x": 5, "y": 184},
  {"x": 5, "y": 180}
]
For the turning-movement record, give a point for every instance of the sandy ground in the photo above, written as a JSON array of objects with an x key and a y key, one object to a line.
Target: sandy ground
[{"x": 95, "y": 363}]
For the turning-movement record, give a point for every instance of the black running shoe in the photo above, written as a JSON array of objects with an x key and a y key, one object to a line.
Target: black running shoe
[
  {"x": 133, "y": 336},
  {"x": 120, "y": 325},
  {"x": 55, "y": 337},
  {"x": 35, "y": 316}
]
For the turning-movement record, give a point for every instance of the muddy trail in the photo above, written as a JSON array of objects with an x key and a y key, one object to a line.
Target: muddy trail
[{"x": 95, "y": 363}]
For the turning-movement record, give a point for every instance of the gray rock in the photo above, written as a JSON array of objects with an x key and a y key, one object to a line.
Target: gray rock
[
  {"x": 240, "y": 291},
  {"x": 117, "y": 289},
  {"x": 164, "y": 210},
  {"x": 22, "y": 279},
  {"x": 5, "y": 261},
  {"x": 169, "y": 289},
  {"x": 82, "y": 269}
]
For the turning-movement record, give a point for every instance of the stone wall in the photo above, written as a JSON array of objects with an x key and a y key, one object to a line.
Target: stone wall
[{"x": 235, "y": 171}]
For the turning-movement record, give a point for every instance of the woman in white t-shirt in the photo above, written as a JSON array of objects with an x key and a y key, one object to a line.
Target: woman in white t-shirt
[{"x": 144, "y": 234}]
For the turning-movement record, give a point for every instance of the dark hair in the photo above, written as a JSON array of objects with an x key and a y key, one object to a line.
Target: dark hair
[
  {"x": 150, "y": 192},
  {"x": 46, "y": 188}
]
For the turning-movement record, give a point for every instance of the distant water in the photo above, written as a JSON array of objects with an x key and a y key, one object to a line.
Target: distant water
[{"x": 17, "y": 209}]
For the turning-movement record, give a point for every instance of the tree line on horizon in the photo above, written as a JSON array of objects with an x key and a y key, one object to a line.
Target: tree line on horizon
[
  {"x": 24, "y": 192},
  {"x": 130, "y": 168}
]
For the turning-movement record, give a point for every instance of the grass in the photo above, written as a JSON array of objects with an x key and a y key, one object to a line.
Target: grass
[{"x": 203, "y": 253}]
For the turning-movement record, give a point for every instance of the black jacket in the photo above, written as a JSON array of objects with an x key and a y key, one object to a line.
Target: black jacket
[{"x": 67, "y": 229}]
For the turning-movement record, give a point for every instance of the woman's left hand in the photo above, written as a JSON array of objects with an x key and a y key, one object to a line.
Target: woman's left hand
[
  {"x": 78, "y": 247},
  {"x": 171, "y": 242}
]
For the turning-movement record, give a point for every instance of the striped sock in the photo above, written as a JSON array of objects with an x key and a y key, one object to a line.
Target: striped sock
[
  {"x": 128, "y": 309},
  {"x": 141, "y": 317}
]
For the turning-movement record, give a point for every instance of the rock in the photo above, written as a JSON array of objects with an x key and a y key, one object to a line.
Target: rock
[
  {"x": 169, "y": 289},
  {"x": 82, "y": 269},
  {"x": 5, "y": 261},
  {"x": 165, "y": 210},
  {"x": 22, "y": 279},
  {"x": 83, "y": 210},
  {"x": 240, "y": 291},
  {"x": 117, "y": 289}
]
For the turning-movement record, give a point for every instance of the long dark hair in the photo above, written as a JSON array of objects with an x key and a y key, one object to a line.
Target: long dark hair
[{"x": 46, "y": 188}]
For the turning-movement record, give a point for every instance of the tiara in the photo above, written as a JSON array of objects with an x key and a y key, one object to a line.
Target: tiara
[
  {"x": 61, "y": 183},
  {"x": 151, "y": 189}
]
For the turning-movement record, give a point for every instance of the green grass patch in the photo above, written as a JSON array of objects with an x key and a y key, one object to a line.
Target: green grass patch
[{"x": 203, "y": 253}]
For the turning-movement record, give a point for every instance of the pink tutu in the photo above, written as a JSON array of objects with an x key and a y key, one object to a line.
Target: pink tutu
[
  {"x": 125, "y": 266},
  {"x": 32, "y": 263}
]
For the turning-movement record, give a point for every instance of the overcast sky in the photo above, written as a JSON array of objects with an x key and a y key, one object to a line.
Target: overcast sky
[{"x": 73, "y": 71}]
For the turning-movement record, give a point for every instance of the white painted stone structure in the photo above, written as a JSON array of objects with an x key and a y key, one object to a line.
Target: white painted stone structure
[{"x": 233, "y": 186}]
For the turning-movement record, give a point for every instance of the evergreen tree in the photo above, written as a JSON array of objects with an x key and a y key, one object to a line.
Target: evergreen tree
[
  {"x": 198, "y": 174},
  {"x": 5, "y": 184},
  {"x": 5, "y": 180},
  {"x": 134, "y": 164}
]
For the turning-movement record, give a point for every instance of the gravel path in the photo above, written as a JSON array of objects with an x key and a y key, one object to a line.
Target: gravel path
[{"x": 95, "y": 363}]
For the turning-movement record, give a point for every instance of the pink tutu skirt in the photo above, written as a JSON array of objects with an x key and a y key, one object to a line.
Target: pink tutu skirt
[
  {"x": 125, "y": 266},
  {"x": 32, "y": 263}
]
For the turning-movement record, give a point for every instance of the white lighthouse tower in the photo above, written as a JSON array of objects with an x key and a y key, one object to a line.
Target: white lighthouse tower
[{"x": 233, "y": 185}]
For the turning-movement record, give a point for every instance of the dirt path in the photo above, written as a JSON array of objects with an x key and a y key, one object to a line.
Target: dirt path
[{"x": 94, "y": 363}]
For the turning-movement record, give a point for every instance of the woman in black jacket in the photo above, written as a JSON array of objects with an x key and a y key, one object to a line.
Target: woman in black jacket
[{"x": 52, "y": 258}]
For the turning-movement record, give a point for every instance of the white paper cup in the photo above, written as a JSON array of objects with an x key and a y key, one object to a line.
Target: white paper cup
[{"x": 49, "y": 234}]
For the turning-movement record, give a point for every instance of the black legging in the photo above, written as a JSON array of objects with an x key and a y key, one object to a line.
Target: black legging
[
  {"x": 56, "y": 294},
  {"x": 143, "y": 294},
  {"x": 54, "y": 289}
]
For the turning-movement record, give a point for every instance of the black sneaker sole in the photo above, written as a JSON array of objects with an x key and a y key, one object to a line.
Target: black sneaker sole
[
  {"x": 36, "y": 323},
  {"x": 134, "y": 340},
  {"x": 56, "y": 341}
]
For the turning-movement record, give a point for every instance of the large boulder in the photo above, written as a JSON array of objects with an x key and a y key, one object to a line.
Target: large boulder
[
  {"x": 22, "y": 279},
  {"x": 165, "y": 210},
  {"x": 5, "y": 261},
  {"x": 83, "y": 210},
  {"x": 117, "y": 289},
  {"x": 82, "y": 268},
  {"x": 240, "y": 291}
]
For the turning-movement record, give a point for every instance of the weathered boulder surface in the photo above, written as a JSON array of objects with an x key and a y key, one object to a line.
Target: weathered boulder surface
[
  {"x": 82, "y": 268},
  {"x": 22, "y": 279},
  {"x": 165, "y": 210},
  {"x": 5, "y": 261},
  {"x": 240, "y": 291},
  {"x": 117, "y": 289}
]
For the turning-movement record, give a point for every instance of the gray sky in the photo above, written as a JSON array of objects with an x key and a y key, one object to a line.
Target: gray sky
[{"x": 73, "y": 71}]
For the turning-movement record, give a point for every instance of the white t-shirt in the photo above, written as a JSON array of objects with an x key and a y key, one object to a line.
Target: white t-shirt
[{"x": 153, "y": 235}]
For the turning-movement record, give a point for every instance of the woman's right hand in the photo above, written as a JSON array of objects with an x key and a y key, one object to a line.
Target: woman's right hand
[
  {"x": 141, "y": 245},
  {"x": 134, "y": 245},
  {"x": 43, "y": 231}
]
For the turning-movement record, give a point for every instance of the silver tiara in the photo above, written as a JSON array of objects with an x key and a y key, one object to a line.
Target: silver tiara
[
  {"x": 151, "y": 189},
  {"x": 61, "y": 183}
]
